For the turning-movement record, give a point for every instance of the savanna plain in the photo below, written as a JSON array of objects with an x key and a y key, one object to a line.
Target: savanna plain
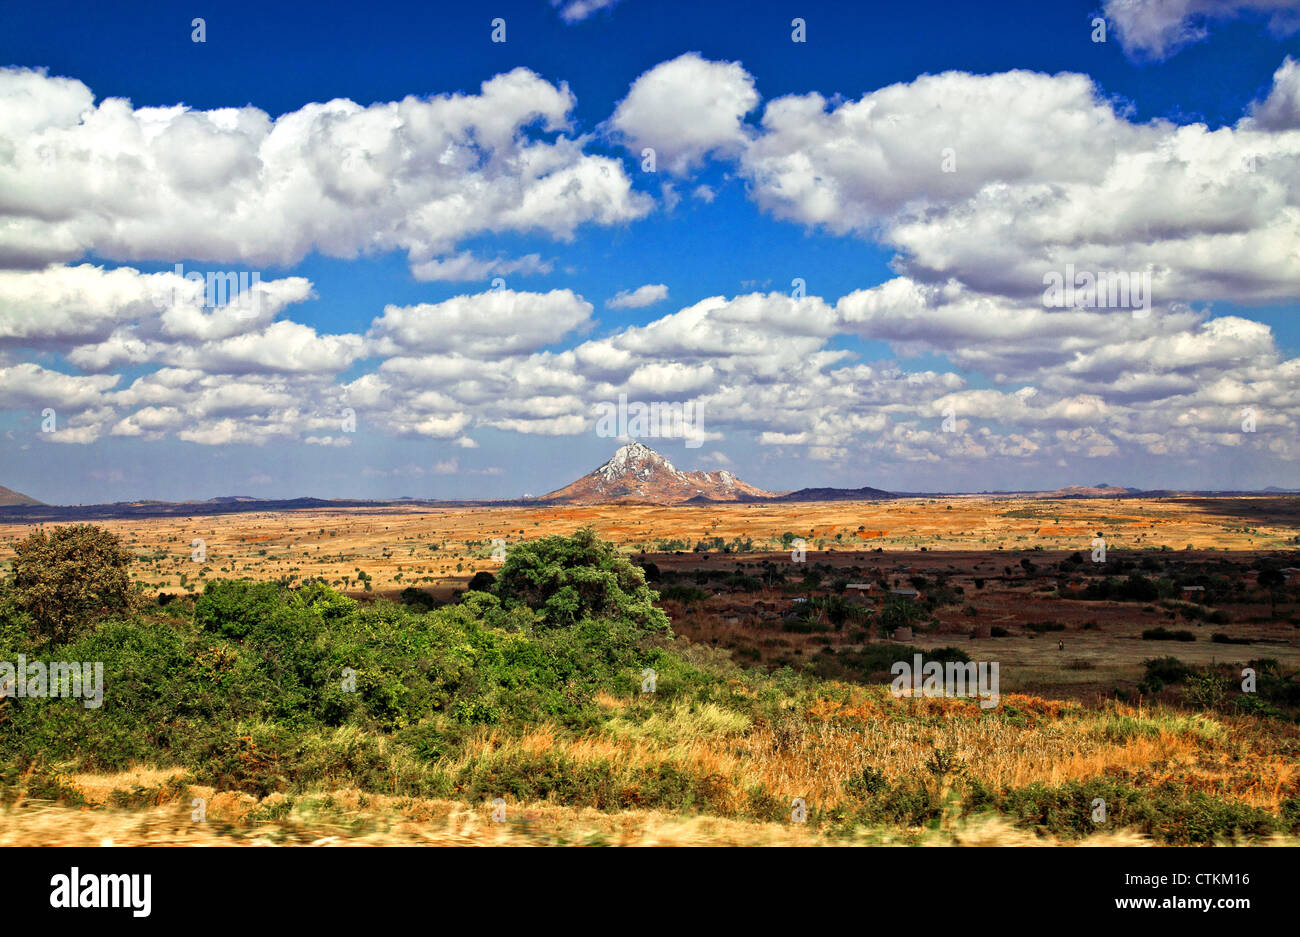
[{"x": 632, "y": 674}]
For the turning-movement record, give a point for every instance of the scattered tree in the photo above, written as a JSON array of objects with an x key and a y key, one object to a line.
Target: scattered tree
[
  {"x": 1272, "y": 580},
  {"x": 71, "y": 577},
  {"x": 567, "y": 579}
]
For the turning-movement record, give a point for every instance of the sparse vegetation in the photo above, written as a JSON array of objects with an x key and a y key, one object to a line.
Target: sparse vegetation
[
  {"x": 1162, "y": 633},
  {"x": 528, "y": 685}
]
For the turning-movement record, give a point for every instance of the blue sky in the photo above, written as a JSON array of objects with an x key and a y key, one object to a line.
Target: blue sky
[{"x": 823, "y": 390}]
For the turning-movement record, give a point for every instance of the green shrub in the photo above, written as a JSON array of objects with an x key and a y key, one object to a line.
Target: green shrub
[
  {"x": 898, "y": 613},
  {"x": 684, "y": 594},
  {"x": 1168, "y": 814},
  {"x": 567, "y": 579},
  {"x": 262, "y": 667},
  {"x": 866, "y": 783},
  {"x": 418, "y": 599},
  {"x": 1161, "y": 633},
  {"x": 1206, "y": 690},
  {"x": 1166, "y": 669},
  {"x": 234, "y": 607},
  {"x": 1042, "y": 627},
  {"x": 69, "y": 578}
]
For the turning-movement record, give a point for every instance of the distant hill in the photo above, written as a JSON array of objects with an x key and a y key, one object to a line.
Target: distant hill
[
  {"x": 837, "y": 494},
  {"x": 635, "y": 474},
  {"x": 9, "y": 498},
  {"x": 638, "y": 473},
  {"x": 1085, "y": 491}
]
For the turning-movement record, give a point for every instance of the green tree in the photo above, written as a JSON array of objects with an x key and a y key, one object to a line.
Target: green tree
[
  {"x": 235, "y": 607},
  {"x": 70, "y": 577},
  {"x": 567, "y": 579},
  {"x": 1271, "y": 580},
  {"x": 898, "y": 614}
]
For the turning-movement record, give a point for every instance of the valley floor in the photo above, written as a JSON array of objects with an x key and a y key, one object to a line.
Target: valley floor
[
  {"x": 396, "y": 547},
  {"x": 772, "y": 722}
]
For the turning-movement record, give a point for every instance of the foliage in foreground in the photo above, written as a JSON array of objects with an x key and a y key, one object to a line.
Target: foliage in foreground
[{"x": 533, "y": 692}]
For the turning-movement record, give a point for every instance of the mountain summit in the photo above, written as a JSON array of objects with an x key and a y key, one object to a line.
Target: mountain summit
[{"x": 638, "y": 473}]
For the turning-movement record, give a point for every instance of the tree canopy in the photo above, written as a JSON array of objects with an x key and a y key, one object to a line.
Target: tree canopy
[
  {"x": 70, "y": 577},
  {"x": 567, "y": 579}
]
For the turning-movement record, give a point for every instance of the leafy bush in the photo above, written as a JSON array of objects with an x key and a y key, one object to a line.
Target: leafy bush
[
  {"x": 897, "y": 614},
  {"x": 1166, "y": 669},
  {"x": 1168, "y": 814},
  {"x": 685, "y": 594},
  {"x": 1220, "y": 638},
  {"x": 1206, "y": 690},
  {"x": 836, "y": 608},
  {"x": 1136, "y": 588},
  {"x": 70, "y": 577},
  {"x": 235, "y": 607},
  {"x": 1162, "y": 633},
  {"x": 249, "y": 694},
  {"x": 481, "y": 581},
  {"x": 568, "y": 579},
  {"x": 866, "y": 783}
]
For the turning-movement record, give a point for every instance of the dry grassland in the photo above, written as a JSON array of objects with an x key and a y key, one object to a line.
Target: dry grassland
[{"x": 398, "y": 547}]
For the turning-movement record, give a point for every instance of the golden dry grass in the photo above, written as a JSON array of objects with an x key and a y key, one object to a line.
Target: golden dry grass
[
  {"x": 352, "y": 818},
  {"x": 811, "y": 758},
  {"x": 429, "y": 547},
  {"x": 387, "y": 822},
  {"x": 828, "y": 738}
]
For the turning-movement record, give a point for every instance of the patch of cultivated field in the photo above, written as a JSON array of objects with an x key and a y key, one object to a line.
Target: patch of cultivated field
[
  {"x": 398, "y": 547},
  {"x": 1092, "y": 647}
]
